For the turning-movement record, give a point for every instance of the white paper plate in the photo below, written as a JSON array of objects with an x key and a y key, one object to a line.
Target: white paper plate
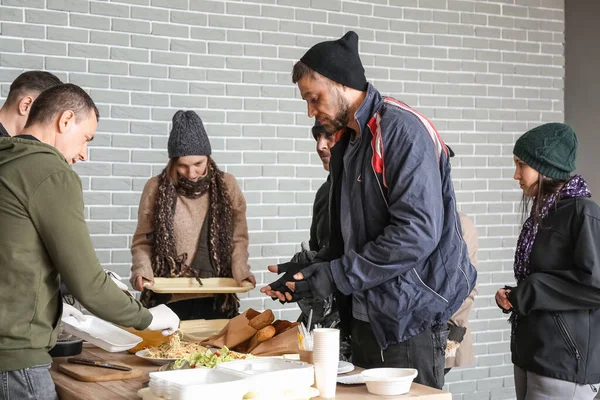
[
  {"x": 344, "y": 367},
  {"x": 156, "y": 361}
]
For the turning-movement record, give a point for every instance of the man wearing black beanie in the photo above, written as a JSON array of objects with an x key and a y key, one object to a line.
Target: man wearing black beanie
[{"x": 396, "y": 260}]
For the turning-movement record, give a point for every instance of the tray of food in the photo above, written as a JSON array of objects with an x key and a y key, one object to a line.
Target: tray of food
[{"x": 193, "y": 285}]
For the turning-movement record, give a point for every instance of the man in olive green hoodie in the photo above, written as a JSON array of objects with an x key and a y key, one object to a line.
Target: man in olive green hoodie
[{"x": 43, "y": 234}]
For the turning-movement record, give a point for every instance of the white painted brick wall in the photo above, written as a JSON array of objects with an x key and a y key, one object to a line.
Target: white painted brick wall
[{"x": 483, "y": 71}]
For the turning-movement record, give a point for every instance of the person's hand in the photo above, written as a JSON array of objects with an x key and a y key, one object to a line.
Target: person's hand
[
  {"x": 70, "y": 311},
  {"x": 250, "y": 279},
  {"x": 314, "y": 281},
  {"x": 277, "y": 289},
  {"x": 140, "y": 283},
  {"x": 502, "y": 299},
  {"x": 163, "y": 319}
]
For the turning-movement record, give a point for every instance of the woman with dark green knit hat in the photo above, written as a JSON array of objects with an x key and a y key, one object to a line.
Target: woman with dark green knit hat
[{"x": 555, "y": 306}]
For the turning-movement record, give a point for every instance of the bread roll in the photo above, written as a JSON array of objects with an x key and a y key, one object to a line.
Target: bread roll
[
  {"x": 264, "y": 319},
  {"x": 262, "y": 335},
  {"x": 252, "y": 313},
  {"x": 281, "y": 325}
]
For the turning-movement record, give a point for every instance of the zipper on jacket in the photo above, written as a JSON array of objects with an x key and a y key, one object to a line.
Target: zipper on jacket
[
  {"x": 380, "y": 188},
  {"x": 562, "y": 327}
]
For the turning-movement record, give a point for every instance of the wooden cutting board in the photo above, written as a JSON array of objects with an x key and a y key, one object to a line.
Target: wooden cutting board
[{"x": 86, "y": 373}]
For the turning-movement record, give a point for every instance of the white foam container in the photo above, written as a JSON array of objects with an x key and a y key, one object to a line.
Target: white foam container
[
  {"x": 101, "y": 333},
  {"x": 271, "y": 377},
  {"x": 388, "y": 381},
  {"x": 188, "y": 384}
]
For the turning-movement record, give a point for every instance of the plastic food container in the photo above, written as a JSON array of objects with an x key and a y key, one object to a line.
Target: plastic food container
[
  {"x": 272, "y": 378},
  {"x": 101, "y": 333},
  {"x": 190, "y": 383},
  {"x": 389, "y": 381}
]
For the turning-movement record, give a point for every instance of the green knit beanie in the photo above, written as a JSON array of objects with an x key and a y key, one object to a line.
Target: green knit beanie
[{"x": 550, "y": 149}]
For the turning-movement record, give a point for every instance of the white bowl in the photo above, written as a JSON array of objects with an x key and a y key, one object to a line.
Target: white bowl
[{"x": 389, "y": 381}]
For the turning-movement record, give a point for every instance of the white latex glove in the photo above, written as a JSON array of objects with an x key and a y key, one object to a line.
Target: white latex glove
[
  {"x": 163, "y": 319},
  {"x": 116, "y": 279},
  {"x": 70, "y": 311}
]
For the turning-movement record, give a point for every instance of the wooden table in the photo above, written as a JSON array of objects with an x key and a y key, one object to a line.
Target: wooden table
[{"x": 71, "y": 389}]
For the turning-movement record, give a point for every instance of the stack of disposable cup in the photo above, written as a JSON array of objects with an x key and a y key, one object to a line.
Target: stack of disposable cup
[{"x": 326, "y": 348}]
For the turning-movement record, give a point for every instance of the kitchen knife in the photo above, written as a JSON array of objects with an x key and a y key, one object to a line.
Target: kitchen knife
[{"x": 96, "y": 363}]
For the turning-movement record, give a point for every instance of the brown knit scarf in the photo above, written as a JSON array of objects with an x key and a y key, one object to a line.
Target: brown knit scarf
[{"x": 166, "y": 263}]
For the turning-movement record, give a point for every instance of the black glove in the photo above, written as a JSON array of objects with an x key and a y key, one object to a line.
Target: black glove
[
  {"x": 289, "y": 269},
  {"x": 317, "y": 284},
  {"x": 456, "y": 333}
]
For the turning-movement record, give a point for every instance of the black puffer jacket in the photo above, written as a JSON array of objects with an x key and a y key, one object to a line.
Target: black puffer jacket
[{"x": 558, "y": 329}]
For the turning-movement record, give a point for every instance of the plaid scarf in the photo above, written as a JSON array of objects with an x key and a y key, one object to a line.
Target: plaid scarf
[
  {"x": 574, "y": 187},
  {"x": 166, "y": 263}
]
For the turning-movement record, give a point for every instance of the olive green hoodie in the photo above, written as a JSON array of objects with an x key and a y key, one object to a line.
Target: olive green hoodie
[{"x": 43, "y": 234}]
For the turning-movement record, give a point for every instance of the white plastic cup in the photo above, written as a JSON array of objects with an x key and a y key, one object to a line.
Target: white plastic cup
[
  {"x": 326, "y": 349},
  {"x": 326, "y": 378}
]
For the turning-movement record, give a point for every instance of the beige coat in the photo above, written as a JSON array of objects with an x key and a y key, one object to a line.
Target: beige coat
[
  {"x": 464, "y": 354},
  {"x": 189, "y": 216}
]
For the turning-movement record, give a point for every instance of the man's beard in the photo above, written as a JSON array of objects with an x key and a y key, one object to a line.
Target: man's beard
[{"x": 340, "y": 121}]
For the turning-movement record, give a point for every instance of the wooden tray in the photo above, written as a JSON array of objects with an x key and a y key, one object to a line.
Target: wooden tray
[
  {"x": 199, "y": 329},
  {"x": 190, "y": 285}
]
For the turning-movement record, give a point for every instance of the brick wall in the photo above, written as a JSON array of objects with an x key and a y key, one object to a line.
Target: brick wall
[{"x": 483, "y": 71}]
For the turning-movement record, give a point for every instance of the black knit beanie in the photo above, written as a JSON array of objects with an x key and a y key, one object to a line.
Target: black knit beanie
[
  {"x": 188, "y": 137},
  {"x": 550, "y": 149},
  {"x": 339, "y": 61}
]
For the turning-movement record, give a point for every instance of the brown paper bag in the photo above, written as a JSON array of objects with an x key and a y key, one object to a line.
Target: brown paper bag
[
  {"x": 235, "y": 332},
  {"x": 284, "y": 343}
]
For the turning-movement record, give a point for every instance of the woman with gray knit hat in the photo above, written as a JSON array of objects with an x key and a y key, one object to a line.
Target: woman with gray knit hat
[
  {"x": 191, "y": 223},
  {"x": 555, "y": 306}
]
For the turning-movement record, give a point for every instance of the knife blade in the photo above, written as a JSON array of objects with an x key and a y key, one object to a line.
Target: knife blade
[{"x": 95, "y": 363}]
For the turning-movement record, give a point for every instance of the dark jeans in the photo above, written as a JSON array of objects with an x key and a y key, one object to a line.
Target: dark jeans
[
  {"x": 201, "y": 308},
  {"x": 424, "y": 352},
  {"x": 33, "y": 383}
]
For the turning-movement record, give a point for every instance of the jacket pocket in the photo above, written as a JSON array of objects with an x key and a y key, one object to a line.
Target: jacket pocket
[
  {"x": 426, "y": 287},
  {"x": 568, "y": 338},
  {"x": 417, "y": 302}
]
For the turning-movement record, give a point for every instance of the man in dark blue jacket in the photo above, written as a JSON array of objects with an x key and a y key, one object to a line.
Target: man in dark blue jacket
[{"x": 396, "y": 259}]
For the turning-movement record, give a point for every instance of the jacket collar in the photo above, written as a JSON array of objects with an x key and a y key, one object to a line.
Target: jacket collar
[{"x": 367, "y": 109}]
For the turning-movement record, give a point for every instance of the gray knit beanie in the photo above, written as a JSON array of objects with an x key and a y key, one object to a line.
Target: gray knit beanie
[{"x": 188, "y": 137}]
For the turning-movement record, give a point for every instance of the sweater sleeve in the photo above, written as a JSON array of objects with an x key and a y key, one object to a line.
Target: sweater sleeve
[
  {"x": 239, "y": 258},
  {"x": 576, "y": 289},
  {"x": 56, "y": 210},
  {"x": 141, "y": 246}
]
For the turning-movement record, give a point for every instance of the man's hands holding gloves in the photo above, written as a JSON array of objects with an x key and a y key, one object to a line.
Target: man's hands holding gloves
[{"x": 300, "y": 281}]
